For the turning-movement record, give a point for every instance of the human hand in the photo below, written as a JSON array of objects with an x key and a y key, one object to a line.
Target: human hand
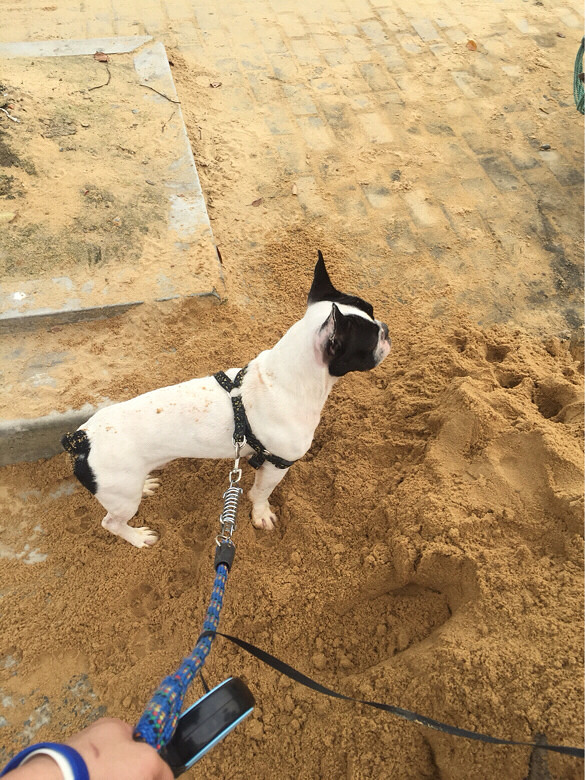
[{"x": 109, "y": 752}]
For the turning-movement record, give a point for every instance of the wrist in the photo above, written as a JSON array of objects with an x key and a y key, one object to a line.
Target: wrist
[
  {"x": 60, "y": 762},
  {"x": 39, "y": 767}
]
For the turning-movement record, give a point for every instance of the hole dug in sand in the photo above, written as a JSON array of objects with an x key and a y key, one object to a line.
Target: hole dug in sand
[
  {"x": 558, "y": 400},
  {"x": 404, "y": 604},
  {"x": 496, "y": 353},
  {"x": 509, "y": 379}
]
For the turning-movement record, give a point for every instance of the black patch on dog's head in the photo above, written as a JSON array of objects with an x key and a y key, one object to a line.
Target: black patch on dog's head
[
  {"x": 350, "y": 342},
  {"x": 323, "y": 290}
]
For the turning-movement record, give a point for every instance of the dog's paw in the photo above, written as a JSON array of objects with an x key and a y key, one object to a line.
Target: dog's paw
[
  {"x": 151, "y": 484},
  {"x": 142, "y": 537},
  {"x": 264, "y": 519}
]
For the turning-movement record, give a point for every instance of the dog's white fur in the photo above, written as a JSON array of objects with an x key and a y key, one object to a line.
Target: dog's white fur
[{"x": 283, "y": 392}]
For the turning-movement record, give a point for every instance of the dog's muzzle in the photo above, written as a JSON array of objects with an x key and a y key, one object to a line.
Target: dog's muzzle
[{"x": 384, "y": 344}]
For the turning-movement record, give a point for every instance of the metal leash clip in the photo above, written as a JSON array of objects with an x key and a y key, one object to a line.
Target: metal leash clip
[
  {"x": 236, "y": 472},
  {"x": 226, "y": 549}
]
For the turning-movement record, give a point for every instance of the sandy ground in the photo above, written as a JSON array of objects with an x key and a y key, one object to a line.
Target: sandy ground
[
  {"x": 105, "y": 212},
  {"x": 429, "y": 548}
]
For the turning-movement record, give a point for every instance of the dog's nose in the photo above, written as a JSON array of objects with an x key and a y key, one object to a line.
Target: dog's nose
[{"x": 385, "y": 331}]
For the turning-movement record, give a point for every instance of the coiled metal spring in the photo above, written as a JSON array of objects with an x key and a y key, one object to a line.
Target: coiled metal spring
[{"x": 227, "y": 520}]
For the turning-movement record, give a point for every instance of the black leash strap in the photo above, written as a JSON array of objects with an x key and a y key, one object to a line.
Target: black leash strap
[
  {"x": 242, "y": 426},
  {"x": 414, "y": 717}
]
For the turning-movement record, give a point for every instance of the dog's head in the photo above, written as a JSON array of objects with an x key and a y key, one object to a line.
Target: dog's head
[{"x": 350, "y": 339}]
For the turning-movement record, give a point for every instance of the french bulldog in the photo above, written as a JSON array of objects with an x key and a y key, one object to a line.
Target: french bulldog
[{"x": 282, "y": 391}]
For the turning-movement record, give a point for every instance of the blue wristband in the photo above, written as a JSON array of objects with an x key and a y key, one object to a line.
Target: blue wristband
[{"x": 71, "y": 759}]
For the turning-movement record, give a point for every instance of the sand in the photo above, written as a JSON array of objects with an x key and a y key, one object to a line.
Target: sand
[
  {"x": 429, "y": 547},
  {"x": 428, "y": 554},
  {"x": 106, "y": 213}
]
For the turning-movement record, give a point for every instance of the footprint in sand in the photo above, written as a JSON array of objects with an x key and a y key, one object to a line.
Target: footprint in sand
[{"x": 143, "y": 599}]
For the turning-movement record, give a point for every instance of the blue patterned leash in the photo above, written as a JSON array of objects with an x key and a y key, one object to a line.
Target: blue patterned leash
[{"x": 159, "y": 720}]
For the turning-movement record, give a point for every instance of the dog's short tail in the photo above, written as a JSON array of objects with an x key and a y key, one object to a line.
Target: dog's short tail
[{"x": 76, "y": 443}]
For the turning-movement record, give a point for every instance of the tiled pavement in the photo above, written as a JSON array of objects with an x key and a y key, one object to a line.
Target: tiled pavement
[{"x": 379, "y": 112}]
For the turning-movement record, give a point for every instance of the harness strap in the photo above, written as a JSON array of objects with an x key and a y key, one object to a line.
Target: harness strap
[{"x": 242, "y": 425}]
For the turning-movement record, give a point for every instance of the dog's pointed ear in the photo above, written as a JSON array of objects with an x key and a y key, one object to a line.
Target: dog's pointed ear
[
  {"x": 321, "y": 289},
  {"x": 332, "y": 332}
]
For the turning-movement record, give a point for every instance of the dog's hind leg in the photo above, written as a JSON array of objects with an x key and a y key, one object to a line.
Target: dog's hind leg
[
  {"x": 121, "y": 498},
  {"x": 139, "y": 537}
]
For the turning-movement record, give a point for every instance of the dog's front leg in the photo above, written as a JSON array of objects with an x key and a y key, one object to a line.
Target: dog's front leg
[{"x": 267, "y": 478}]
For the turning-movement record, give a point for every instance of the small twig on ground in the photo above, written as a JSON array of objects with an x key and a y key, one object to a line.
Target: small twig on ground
[
  {"x": 99, "y": 86},
  {"x": 168, "y": 120},
  {"x": 159, "y": 93},
  {"x": 14, "y": 119}
]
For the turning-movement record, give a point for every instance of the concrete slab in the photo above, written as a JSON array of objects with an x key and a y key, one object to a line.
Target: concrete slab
[
  {"x": 38, "y": 437},
  {"x": 69, "y": 48},
  {"x": 189, "y": 266}
]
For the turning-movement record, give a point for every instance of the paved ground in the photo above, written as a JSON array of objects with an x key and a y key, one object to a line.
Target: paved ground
[{"x": 354, "y": 103}]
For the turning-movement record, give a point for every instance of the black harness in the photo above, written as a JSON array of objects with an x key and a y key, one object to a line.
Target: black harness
[{"x": 242, "y": 426}]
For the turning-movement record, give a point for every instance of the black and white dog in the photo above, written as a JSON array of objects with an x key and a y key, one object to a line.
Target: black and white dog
[{"x": 282, "y": 393}]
